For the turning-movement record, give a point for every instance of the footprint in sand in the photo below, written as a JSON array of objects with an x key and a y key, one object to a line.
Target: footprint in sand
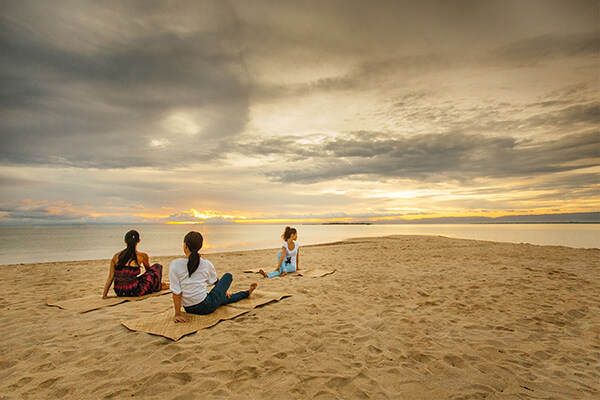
[
  {"x": 246, "y": 372},
  {"x": 454, "y": 361},
  {"x": 48, "y": 383}
]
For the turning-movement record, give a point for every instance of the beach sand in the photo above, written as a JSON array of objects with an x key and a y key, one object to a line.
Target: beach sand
[{"x": 403, "y": 317}]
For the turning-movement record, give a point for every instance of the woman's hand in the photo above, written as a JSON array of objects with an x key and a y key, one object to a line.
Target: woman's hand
[
  {"x": 108, "y": 297},
  {"x": 180, "y": 318},
  {"x": 228, "y": 294}
]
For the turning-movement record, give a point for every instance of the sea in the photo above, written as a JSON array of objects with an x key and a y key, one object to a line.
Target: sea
[{"x": 31, "y": 244}]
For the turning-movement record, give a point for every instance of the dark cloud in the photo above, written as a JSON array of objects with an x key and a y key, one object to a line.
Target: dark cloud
[
  {"x": 75, "y": 106},
  {"x": 42, "y": 212},
  {"x": 84, "y": 84},
  {"x": 578, "y": 114},
  {"x": 450, "y": 156}
]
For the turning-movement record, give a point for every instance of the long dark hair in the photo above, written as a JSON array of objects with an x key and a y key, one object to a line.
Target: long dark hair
[
  {"x": 288, "y": 233},
  {"x": 132, "y": 238},
  {"x": 193, "y": 240}
]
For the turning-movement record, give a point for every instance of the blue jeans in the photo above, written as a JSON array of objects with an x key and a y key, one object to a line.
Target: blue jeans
[
  {"x": 284, "y": 267},
  {"x": 217, "y": 297}
]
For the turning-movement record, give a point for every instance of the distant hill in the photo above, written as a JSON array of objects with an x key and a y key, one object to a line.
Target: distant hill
[{"x": 567, "y": 218}]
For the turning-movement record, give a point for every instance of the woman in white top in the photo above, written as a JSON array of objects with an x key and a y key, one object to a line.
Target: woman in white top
[
  {"x": 190, "y": 278},
  {"x": 288, "y": 256}
]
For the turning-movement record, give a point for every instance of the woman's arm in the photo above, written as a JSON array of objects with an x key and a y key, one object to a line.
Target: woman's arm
[
  {"x": 175, "y": 286},
  {"x": 298, "y": 260},
  {"x": 109, "y": 280},
  {"x": 177, "y": 306},
  {"x": 281, "y": 258},
  {"x": 145, "y": 260}
]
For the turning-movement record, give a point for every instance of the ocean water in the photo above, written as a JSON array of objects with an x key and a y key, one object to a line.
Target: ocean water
[{"x": 27, "y": 244}]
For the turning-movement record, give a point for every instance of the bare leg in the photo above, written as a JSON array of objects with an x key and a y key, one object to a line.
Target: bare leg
[
  {"x": 284, "y": 273},
  {"x": 252, "y": 288}
]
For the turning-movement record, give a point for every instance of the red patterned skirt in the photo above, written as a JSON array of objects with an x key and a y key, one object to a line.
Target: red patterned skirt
[{"x": 129, "y": 284}]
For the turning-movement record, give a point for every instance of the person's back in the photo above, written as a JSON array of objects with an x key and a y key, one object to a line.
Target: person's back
[
  {"x": 125, "y": 268},
  {"x": 193, "y": 287},
  {"x": 126, "y": 280},
  {"x": 290, "y": 255},
  {"x": 189, "y": 280}
]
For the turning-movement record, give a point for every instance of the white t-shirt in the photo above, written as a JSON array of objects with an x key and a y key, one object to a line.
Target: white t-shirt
[
  {"x": 290, "y": 256},
  {"x": 193, "y": 289}
]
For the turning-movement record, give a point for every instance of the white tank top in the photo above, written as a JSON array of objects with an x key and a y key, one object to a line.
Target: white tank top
[{"x": 290, "y": 256}]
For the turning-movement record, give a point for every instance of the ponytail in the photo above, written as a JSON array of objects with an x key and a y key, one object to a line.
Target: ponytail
[
  {"x": 193, "y": 241},
  {"x": 132, "y": 238},
  {"x": 193, "y": 262},
  {"x": 288, "y": 233}
]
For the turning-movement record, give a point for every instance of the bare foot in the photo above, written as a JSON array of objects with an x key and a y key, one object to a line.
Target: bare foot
[
  {"x": 252, "y": 288},
  {"x": 263, "y": 273},
  {"x": 284, "y": 273}
]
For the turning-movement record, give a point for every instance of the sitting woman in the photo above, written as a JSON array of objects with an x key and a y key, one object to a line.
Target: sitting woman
[
  {"x": 288, "y": 256},
  {"x": 190, "y": 277},
  {"x": 125, "y": 271}
]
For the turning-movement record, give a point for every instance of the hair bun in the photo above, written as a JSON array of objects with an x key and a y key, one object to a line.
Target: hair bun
[{"x": 132, "y": 234}]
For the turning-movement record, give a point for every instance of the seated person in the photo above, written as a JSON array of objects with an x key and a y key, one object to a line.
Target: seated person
[
  {"x": 125, "y": 271},
  {"x": 190, "y": 277},
  {"x": 288, "y": 256}
]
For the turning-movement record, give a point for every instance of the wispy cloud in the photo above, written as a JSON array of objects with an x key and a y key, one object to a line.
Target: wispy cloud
[
  {"x": 530, "y": 52},
  {"x": 453, "y": 156}
]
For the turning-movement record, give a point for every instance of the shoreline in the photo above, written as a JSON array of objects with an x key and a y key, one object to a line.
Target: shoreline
[
  {"x": 421, "y": 317},
  {"x": 215, "y": 251}
]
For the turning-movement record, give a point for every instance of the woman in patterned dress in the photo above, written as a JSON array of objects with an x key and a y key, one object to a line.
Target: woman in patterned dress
[{"x": 125, "y": 268}]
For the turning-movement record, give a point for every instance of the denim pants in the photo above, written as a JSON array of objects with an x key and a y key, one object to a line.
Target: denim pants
[
  {"x": 217, "y": 297},
  {"x": 284, "y": 267}
]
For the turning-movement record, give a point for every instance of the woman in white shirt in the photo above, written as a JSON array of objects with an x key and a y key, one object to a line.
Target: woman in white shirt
[
  {"x": 190, "y": 278},
  {"x": 288, "y": 256}
]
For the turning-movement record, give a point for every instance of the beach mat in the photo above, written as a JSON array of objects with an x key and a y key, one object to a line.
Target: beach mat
[
  {"x": 309, "y": 272},
  {"x": 89, "y": 303},
  {"x": 314, "y": 272},
  {"x": 162, "y": 324}
]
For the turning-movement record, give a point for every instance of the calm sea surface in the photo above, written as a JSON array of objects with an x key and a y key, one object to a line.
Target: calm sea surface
[{"x": 26, "y": 244}]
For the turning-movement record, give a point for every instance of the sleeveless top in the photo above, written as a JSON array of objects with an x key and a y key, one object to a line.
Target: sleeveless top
[{"x": 290, "y": 256}]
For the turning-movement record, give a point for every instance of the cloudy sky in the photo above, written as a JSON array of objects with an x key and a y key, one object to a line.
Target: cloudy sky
[{"x": 263, "y": 111}]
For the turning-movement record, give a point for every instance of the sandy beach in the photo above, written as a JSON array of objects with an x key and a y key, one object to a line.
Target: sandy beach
[{"x": 403, "y": 317}]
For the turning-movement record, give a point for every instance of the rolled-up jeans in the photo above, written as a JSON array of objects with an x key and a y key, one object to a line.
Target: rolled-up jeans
[
  {"x": 217, "y": 297},
  {"x": 287, "y": 267}
]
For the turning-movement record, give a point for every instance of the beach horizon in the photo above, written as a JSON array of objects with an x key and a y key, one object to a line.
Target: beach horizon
[{"x": 84, "y": 243}]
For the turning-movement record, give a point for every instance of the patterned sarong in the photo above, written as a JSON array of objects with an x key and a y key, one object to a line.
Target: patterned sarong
[{"x": 129, "y": 284}]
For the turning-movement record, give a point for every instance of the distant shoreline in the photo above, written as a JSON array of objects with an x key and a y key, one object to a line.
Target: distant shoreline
[
  {"x": 62, "y": 243},
  {"x": 320, "y": 223},
  {"x": 455, "y": 223}
]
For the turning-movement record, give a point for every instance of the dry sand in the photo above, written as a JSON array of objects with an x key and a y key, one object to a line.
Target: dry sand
[{"x": 414, "y": 317}]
